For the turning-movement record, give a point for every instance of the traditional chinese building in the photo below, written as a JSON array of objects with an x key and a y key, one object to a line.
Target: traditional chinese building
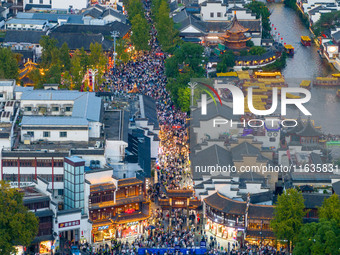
[
  {"x": 234, "y": 37},
  {"x": 183, "y": 198},
  {"x": 231, "y": 219},
  {"x": 304, "y": 133},
  {"x": 118, "y": 209}
]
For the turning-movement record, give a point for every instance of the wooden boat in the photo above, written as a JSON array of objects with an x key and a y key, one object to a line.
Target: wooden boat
[
  {"x": 306, "y": 41},
  {"x": 305, "y": 84},
  {"x": 289, "y": 49},
  {"x": 326, "y": 82},
  {"x": 338, "y": 93}
]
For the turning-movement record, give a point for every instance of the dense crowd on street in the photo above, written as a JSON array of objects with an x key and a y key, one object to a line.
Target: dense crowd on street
[{"x": 147, "y": 72}]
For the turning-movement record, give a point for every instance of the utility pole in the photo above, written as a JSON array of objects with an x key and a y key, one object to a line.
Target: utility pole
[
  {"x": 114, "y": 34},
  {"x": 192, "y": 86}
]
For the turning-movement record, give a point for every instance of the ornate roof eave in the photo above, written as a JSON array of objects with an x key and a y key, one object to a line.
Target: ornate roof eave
[{"x": 243, "y": 40}]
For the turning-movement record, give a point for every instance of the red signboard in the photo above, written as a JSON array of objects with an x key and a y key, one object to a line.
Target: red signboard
[{"x": 69, "y": 224}]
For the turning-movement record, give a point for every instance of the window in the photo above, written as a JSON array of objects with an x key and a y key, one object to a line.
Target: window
[
  {"x": 219, "y": 15},
  {"x": 68, "y": 108},
  {"x": 272, "y": 139},
  {"x": 1, "y": 95},
  {"x": 30, "y": 133},
  {"x": 211, "y": 15},
  {"x": 46, "y": 134},
  {"x": 55, "y": 109},
  {"x": 63, "y": 134},
  {"x": 28, "y": 109},
  {"x": 31, "y": 1},
  {"x": 41, "y": 1}
]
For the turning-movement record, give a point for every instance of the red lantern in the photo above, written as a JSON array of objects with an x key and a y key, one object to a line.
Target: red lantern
[
  {"x": 284, "y": 43},
  {"x": 275, "y": 28},
  {"x": 272, "y": 25},
  {"x": 279, "y": 33},
  {"x": 281, "y": 38}
]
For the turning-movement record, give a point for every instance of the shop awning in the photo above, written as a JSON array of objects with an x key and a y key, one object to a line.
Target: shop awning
[{"x": 42, "y": 238}]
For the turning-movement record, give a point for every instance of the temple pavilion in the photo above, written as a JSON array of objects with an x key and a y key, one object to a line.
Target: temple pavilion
[{"x": 234, "y": 37}]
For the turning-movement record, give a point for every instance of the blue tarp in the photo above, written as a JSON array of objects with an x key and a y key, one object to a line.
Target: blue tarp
[{"x": 142, "y": 251}]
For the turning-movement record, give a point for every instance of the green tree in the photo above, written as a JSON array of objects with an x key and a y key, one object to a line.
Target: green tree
[
  {"x": 288, "y": 216},
  {"x": 8, "y": 64},
  {"x": 134, "y": 8},
  {"x": 37, "y": 78},
  {"x": 330, "y": 209},
  {"x": 77, "y": 70},
  {"x": 65, "y": 57},
  {"x": 261, "y": 10},
  {"x": 18, "y": 226},
  {"x": 121, "y": 47},
  {"x": 49, "y": 45},
  {"x": 227, "y": 61},
  {"x": 318, "y": 238},
  {"x": 140, "y": 33},
  {"x": 327, "y": 21},
  {"x": 167, "y": 35},
  {"x": 184, "y": 99},
  {"x": 257, "y": 50},
  {"x": 191, "y": 54},
  {"x": 290, "y": 3},
  {"x": 84, "y": 59}
]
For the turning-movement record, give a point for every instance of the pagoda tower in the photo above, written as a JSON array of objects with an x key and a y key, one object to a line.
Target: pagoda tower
[{"x": 234, "y": 37}]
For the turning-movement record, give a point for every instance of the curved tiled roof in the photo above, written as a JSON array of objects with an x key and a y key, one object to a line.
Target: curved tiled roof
[
  {"x": 225, "y": 204},
  {"x": 230, "y": 206}
]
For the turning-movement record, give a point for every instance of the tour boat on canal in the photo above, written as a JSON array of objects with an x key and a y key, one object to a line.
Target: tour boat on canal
[
  {"x": 338, "y": 93},
  {"x": 326, "y": 82},
  {"x": 306, "y": 41},
  {"x": 305, "y": 84},
  {"x": 289, "y": 49}
]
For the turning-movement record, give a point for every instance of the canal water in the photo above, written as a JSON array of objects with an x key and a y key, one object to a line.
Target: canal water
[{"x": 306, "y": 65}]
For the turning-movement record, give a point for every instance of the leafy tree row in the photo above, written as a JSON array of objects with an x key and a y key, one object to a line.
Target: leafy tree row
[
  {"x": 322, "y": 237},
  {"x": 59, "y": 67},
  {"x": 167, "y": 35},
  {"x": 187, "y": 62},
  {"x": 140, "y": 28}
]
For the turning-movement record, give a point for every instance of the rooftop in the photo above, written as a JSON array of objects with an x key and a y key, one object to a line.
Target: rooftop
[{"x": 27, "y": 21}]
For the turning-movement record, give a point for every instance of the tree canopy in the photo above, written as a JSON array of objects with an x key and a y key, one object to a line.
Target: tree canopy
[
  {"x": 261, "y": 10},
  {"x": 166, "y": 33},
  {"x": 227, "y": 61},
  {"x": 187, "y": 62},
  {"x": 18, "y": 226},
  {"x": 321, "y": 237},
  {"x": 8, "y": 64},
  {"x": 135, "y": 7},
  {"x": 140, "y": 32},
  {"x": 330, "y": 209},
  {"x": 57, "y": 66},
  {"x": 288, "y": 216},
  {"x": 326, "y": 22}
]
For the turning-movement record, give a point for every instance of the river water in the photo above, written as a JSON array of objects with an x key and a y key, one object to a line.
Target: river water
[{"x": 306, "y": 65}]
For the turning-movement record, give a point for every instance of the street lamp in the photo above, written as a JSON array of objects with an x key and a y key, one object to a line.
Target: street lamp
[
  {"x": 192, "y": 86},
  {"x": 114, "y": 34}
]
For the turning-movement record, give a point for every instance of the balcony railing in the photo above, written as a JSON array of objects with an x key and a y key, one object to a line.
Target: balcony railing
[{"x": 227, "y": 222}]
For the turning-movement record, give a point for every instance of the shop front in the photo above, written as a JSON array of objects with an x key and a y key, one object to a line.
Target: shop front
[
  {"x": 131, "y": 228},
  {"x": 103, "y": 233},
  {"x": 222, "y": 231},
  {"x": 45, "y": 247}
]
